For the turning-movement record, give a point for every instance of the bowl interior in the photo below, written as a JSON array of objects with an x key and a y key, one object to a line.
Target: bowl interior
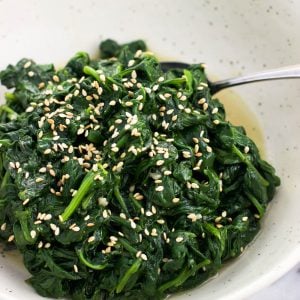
[{"x": 231, "y": 38}]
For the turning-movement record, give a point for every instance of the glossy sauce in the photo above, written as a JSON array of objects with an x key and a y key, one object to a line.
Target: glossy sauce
[{"x": 238, "y": 113}]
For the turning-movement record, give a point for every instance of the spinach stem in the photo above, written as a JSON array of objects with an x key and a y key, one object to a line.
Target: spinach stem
[
  {"x": 87, "y": 263},
  {"x": 133, "y": 269}
]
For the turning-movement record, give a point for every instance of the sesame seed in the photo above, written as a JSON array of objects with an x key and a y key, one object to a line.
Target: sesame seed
[
  {"x": 40, "y": 245},
  {"x": 55, "y": 78},
  {"x": 47, "y": 151},
  {"x": 160, "y": 162},
  {"x": 144, "y": 256},
  {"x": 11, "y": 238},
  {"x": 224, "y": 214},
  {"x": 218, "y": 219},
  {"x": 219, "y": 225},
  {"x": 76, "y": 229},
  {"x": 159, "y": 188},
  {"x": 115, "y": 87},
  {"x": 27, "y": 65},
  {"x": 25, "y": 201},
  {"x": 208, "y": 149},
  {"x": 33, "y": 233},
  {"x": 53, "y": 226},
  {"x": 167, "y": 172},
  {"x": 246, "y": 149},
  {"x": 29, "y": 109},
  {"x": 244, "y": 219},
  {"x": 175, "y": 200},
  {"x": 149, "y": 213},
  {"x": 138, "y": 254},
  {"x": 132, "y": 224},
  {"x": 75, "y": 268},
  {"x": 194, "y": 185},
  {"x": 47, "y": 245},
  {"x": 39, "y": 179},
  {"x": 179, "y": 239},
  {"x": 131, "y": 63},
  {"x": 155, "y": 87},
  {"x": 216, "y": 122},
  {"x": 123, "y": 216},
  {"x": 90, "y": 224},
  {"x": 91, "y": 239},
  {"x": 3, "y": 227},
  {"x": 48, "y": 217},
  {"x": 215, "y": 110},
  {"x": 160, "y": 221},
  {"x": 105, "y": 214},
  {"x": 30, "y": 73},
  {"x": 205, "y": 106}
]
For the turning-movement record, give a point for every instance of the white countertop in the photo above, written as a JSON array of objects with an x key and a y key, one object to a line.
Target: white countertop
[{"x": 286, "y": 288}]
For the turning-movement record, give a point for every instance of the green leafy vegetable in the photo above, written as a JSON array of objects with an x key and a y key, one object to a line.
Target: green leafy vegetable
[{"x": 119, "y": 181}]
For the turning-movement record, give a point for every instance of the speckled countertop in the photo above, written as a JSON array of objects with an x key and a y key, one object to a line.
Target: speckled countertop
[{"x": 286, "y": 288}]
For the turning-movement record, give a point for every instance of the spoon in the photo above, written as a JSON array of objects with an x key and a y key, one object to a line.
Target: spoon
[{"x": 280, "y": 73}]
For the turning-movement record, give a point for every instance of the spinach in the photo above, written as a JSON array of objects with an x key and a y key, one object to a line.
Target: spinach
[{"x": 120, "y": 181}]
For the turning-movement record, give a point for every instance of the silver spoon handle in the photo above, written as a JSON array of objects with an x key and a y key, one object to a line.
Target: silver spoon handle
[{"x": 280, "y": 73}]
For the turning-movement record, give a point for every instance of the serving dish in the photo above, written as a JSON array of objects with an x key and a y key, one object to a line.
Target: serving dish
[{"x": 230, "y": 41}]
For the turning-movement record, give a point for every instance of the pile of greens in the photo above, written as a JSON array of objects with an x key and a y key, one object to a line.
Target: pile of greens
[{"x": 120, "y": 181}]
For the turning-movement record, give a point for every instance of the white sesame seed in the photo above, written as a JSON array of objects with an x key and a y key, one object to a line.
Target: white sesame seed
[
  {"x": 11, "y": 238},
  {"x": 205, "y": 106},
  {"x": 33, "y": 234},
  {"x": 48, "y": 217},
  {"x": 91, "y": 239},
  {"x": 27, "y": 64},
  {"x": 29, "y": 109},
  {"x": 75, "y": 268},
  {"x": 160, "y": 162},
  {"x": 215, "y": 110},
  {"x": 138, "y": 254},
  {"x": 47, "y": 245},
  {"x": 40, "y": 245},
  {"x": 39, "y": 179},
  {"x": 175, "y": 200},
  {"x": 218, "y": 219},
  {"x": 179, "y": 239},
  {"x": 115, "y": 87},
  {"x": 161, "y": 79},
  {"x": 123, "y": 216},
  {"x": 53, "y": 226},
  {"x": 224, "y": 214},
  {"x": 102, "y": 77},
  {"x": 47, "y": 151},
  {"x": 25, "y": 201},
  {"x": 160, "y": 221},
  {"x": 3, "y": 227},
  {"x": 155, "y": 87},
  {"x": 167, "y": 172},
  {"x": 246, "y": 149},
  {"x": 244, "y": 219},
  {"x": 30, "y": 73},
  {"x": 159, "y": 188},
  {"x": 216, "y": 122},
  {"x": 131, "y": 63},
  {"x": 194, "y": 185},
  {"x": 132, "y": 224},
  {"x": 144, "y": 256},
  {"x": 76, "y": 229},
  {"x": 102, "y": 201},
  {"x": 55, "y": 78},
  {"x": 208, "y": 149},
  {"x": 105, "y": 214}
]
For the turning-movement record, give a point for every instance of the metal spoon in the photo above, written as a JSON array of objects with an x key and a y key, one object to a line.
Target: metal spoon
[{"x": 281, "y": 73}]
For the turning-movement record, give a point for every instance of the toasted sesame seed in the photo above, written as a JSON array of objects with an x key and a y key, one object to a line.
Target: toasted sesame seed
[
  {"x": 75, "y": 268},
  {"x": 186, "y": 154},
  {"x": 30, "y": 73},
  {"x": 132, "y": 224},
  {"x": 224, "y": 214},
  {"x": 216, "y": 122},
  {"x": 245, "y": 219},
  {"x": 27, "y": 65},
  {"x": 105, "y": 214},
  {"x": 160, "y": 221},
  {"x": 155, "y": 87},
  {"x": 76, "y": 229},
  {"x": 179, "y": 239},
  {"x": 47, "y": 151},
  {"x": 208, "y": 149},
  {"x": 175, "y": 200},
  {"x": 53, "y": 226},
  {"x": 246, "y": 149},
  {"x": 55, "y": 78},
  {"x": 25, "y": 201},
  {"x": 144, "y": 256},
  {"x": 167, "y": 172},
  {"x": 123, "y": 216},
  {"x": 160, "y": 162},
  {"x": 33, "y": 234},
  {"x": 218, "y": 219},
  {"x": 29, "y": 109},
  {"x": 91, "y": 239},
  {"x": 11, "y": 238},
  {"x": 205, "y": 106},
  {"x": 194, "y": 185},
  {"x": 159, "y": 188},
  {"x": 219, "y": 225},
  {"x": 90, "y": 224},
  {"x": 39, "y": 179},
  {"x": 3, "y": 227},
  {"x": 40, "y": 245},
  {"x": 131, "y": 63},
  {"x": 47, "y": 245}
]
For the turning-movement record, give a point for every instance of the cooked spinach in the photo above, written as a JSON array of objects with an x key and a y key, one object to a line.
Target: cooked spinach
[{"x": 119, "y": 181}]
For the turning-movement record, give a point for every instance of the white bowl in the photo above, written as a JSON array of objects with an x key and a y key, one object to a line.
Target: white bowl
[{"x": 231, "y": 37}]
